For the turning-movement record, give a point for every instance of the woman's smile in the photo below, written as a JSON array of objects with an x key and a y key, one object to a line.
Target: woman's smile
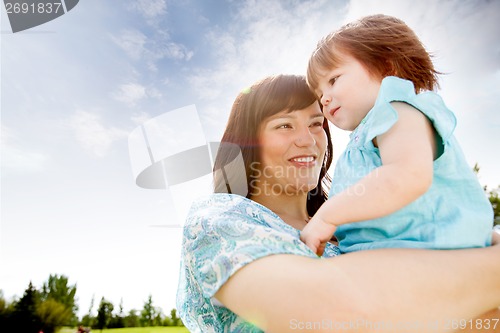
[{"x": 306, "y": 161}]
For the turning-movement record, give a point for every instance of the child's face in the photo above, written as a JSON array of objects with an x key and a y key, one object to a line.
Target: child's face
[{"x": 348, "y": 92}]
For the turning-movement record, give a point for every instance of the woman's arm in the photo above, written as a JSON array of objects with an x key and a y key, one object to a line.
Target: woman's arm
[{"x": 357, "y": 291}]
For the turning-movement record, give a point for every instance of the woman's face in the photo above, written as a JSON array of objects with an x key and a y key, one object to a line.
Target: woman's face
[{"x": 292, "y": 149}]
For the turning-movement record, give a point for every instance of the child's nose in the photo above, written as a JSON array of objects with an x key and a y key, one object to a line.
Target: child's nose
[{"x": 325, "y": 100}]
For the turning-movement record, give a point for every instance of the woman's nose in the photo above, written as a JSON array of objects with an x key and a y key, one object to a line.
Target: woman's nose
[{"x": 305, "y": 138}]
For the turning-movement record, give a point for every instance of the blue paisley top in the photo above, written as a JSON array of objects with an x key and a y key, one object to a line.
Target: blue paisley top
[
  {"x": 453, "y": 213},
  {"x": 224, "y": 232}
]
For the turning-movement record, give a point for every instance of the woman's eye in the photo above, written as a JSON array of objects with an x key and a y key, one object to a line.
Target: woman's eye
[
  {"x": 316, "y": 126},
  {"x": 283, "y": 126}
]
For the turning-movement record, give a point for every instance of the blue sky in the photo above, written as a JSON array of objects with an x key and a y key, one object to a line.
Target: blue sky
[{"x": 73, "y": 89}]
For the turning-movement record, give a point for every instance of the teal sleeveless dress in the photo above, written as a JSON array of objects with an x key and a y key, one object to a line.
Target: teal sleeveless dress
[{"x": 453, "y": 213}]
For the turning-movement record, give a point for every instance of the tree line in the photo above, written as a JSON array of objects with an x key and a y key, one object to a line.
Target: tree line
[
  {"x": 53, "y": 305},
  {"x": 150, "y": 315}
]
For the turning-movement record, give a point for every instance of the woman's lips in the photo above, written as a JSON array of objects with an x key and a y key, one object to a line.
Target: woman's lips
[{"x": 304, "y": 161}]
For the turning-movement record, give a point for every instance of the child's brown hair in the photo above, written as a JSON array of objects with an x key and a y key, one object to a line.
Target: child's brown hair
[{"x": 385, "y": 45}]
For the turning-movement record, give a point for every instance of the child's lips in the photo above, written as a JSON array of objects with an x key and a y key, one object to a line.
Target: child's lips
[{"x": 334, "y": 110}]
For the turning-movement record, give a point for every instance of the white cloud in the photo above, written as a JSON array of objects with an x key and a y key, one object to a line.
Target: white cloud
[
  {"x": 263, "y": 38},
  {"x": 92, "y": 135},
  {"x": 130, "y": 93},
  {"x": 150, "y": 8},
  {"x": 133, "y": 93},
  {"x": 222, "y": 43},
  {"x": 177, "y": 51},
  {"x": 150, "y": 50},
  {"x": 132, "y": 42}
]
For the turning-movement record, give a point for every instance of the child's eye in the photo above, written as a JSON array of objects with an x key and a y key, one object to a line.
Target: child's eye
[
  {"x": 317, "y": 124},
  {"x": 333, "y": 80}
]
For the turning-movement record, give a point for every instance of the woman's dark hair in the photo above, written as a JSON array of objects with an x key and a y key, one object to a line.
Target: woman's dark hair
[{"x": 239, "y": 147}]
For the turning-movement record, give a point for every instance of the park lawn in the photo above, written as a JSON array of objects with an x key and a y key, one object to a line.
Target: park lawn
[{"x": 156, "y": 329}]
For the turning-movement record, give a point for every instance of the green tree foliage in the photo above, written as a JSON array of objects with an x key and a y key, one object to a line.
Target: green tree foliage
[
  {"x": 174, "y": 318},
  {"x": 53, "y": 315},
  {"x": 24, "y": 317},
  {"x": 132, "y": 319},
  {"x": 6, "y": 314},
  {"x": 35, "y": 311},
  {"x": 54, "y": 306},
  {"x": 148, "y": 312},
  {"x": 495, "y": 203},
  {"x": 104, "y": 313},
  {"x": 88, "y": 321},
  {"x": 6, "y": 309},
  {"x": 118, "y": 321},
  {"x": 3, "y": 302},
  {"x": 58, "y": 289},
  {"x": 158, "y": 317}
]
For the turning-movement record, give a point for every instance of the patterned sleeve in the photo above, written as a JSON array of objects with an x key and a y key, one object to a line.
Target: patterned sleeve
[{"x": 225, "y": 232}]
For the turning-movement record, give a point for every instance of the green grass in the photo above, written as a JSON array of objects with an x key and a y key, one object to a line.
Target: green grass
[{"x": 132, "y": 330}]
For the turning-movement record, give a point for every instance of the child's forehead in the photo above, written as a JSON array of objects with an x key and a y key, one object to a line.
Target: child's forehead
[{"x": 324, "y": 72}]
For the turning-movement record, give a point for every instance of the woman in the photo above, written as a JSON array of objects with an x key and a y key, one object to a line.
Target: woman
[{"x": 244, "y": 268}]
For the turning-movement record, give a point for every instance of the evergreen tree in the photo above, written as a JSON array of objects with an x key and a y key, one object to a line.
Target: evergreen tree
[
  {"x": 148, "y": 312},
  {"x": 25, "y": 318},
  {"x": 104, "y": 314}
]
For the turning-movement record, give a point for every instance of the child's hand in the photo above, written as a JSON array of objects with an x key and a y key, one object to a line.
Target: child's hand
[{"x": 316, "y": 234}]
